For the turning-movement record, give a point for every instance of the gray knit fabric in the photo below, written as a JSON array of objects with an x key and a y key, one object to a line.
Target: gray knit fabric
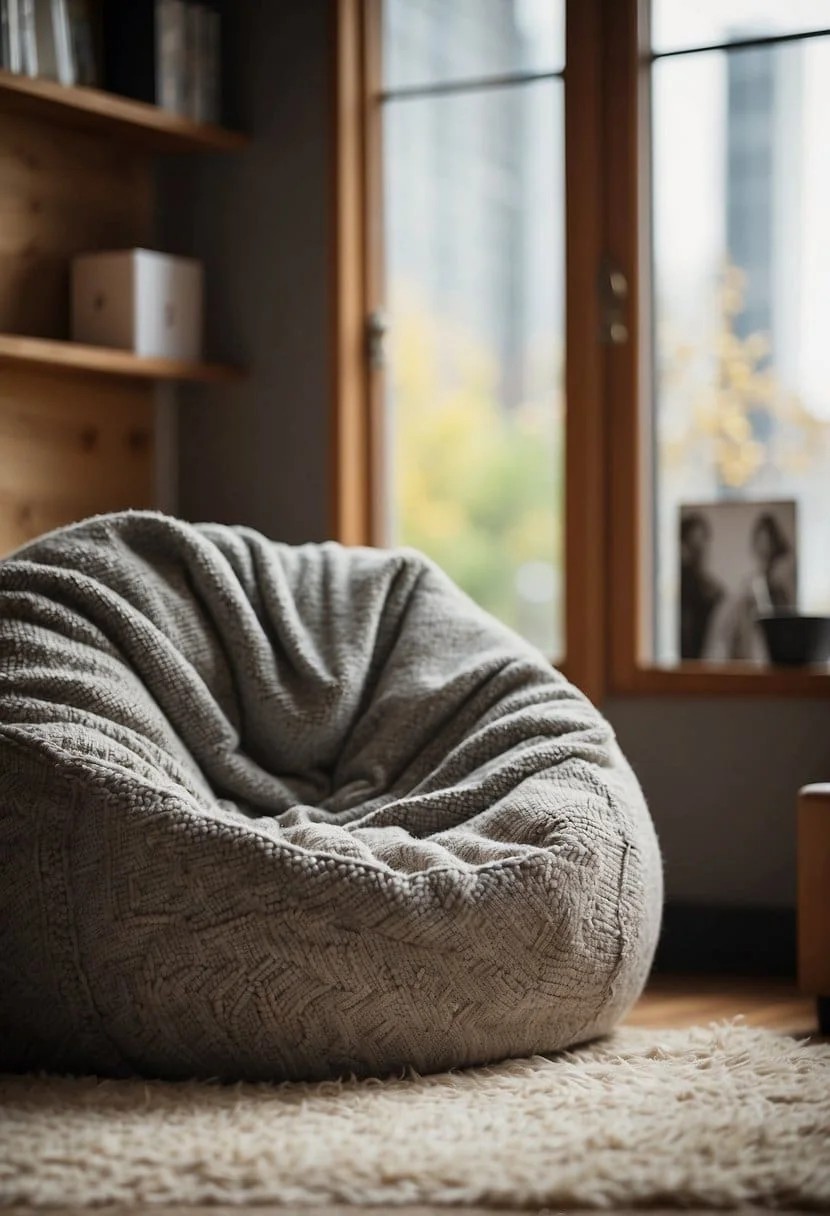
[{"x": 275, "y": 812}]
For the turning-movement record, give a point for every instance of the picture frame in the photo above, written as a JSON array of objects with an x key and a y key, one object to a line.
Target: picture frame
[{"x": 738, "y": 560}]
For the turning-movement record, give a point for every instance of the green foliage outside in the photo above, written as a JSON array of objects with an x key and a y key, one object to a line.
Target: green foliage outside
[{"x": 474, "y": 485}]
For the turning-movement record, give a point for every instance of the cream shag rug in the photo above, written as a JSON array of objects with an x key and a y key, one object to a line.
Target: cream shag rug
[{"x": 719, "y": 1117}]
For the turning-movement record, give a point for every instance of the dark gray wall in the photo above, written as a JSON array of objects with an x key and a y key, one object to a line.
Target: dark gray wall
[
  {"x": 721, "y": 776},
  {"x": 260, "y": 221}
]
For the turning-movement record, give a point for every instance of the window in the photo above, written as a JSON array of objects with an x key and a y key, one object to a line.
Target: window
[
  {"x": 741, "y": 302},
  {"x": 472, "y": 154},
  {"x": 647, "y": 228}
]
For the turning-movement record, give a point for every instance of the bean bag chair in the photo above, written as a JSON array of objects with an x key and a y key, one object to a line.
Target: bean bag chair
[{"x": 271, "y": 812}]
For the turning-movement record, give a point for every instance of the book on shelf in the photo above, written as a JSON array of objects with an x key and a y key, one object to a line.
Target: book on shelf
[
  {"x": 171, "y": 54},
  {"x": 202, "y": 64},
  {"x": 52, "y": 47},
  {"x": 193, "y": 74},
  {"x": 165, "y": 52},
  {"x": 47, "y": 38},
  {"x": 10, "y": 45},
  {"x": 84, "y": 39},
  {"x": 28, "y": 37},
  {"x": 213, "y": 66},
  {"x": 59, "y": 16}
]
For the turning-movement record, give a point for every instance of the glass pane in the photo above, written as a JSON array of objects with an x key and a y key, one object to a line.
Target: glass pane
[
  {"x": 676, "y": 24},
  {"x": 742, "y": 303},
  {"x": 474, "y": 254},
  {"x": 440, "y": 41}
]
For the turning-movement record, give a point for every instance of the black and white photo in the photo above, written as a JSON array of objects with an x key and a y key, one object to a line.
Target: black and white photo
[{"x": 738, "y": 560}]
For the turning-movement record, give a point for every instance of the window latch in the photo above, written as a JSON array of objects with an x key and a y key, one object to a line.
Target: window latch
[
  {"x": 377, "y": 327},
  {"x": 613, "y": 296}
]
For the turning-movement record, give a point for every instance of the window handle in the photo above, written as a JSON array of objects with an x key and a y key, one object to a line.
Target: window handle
[
  {"x": 377, "y": 327},
  {"x": 613, "y": 296}
]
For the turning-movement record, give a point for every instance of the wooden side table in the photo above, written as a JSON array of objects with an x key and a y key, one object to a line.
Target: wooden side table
[{"x": 814, "y": 897}]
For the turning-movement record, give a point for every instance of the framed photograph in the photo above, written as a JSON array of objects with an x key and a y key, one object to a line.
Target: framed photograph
[{"x": 738, "y": 560}]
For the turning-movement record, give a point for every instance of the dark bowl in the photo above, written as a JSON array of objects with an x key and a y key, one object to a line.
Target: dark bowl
[{"x": 795, "y": 640}]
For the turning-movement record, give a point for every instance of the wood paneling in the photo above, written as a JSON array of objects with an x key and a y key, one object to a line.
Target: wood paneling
[
  {"x": 61, "y": 192},
  {"x": 71, "y": 448}
]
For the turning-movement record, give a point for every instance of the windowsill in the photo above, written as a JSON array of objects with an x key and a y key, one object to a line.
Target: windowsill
[{"x": 727, "y": 679}]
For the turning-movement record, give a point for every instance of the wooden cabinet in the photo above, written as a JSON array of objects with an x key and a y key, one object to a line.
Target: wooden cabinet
[{"x": 814, "y": 897}]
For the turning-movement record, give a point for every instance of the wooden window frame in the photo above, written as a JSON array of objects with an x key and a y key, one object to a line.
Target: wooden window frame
[
  {"x": 607, "y": 476},
  {"x": 586, "y": 516},
  {"x": 626, "y": 159},
  {"x": 349, "y": 452}
]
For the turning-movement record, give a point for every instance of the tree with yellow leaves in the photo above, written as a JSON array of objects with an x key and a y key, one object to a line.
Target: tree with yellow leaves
[{"x": 742, "y": 421}]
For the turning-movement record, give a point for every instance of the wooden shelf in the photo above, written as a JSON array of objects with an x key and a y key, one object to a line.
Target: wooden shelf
[
  {"x": 738, "y": 679},
  {"x": 46, "y": 353},
  {"x": 92, "y": 109}
]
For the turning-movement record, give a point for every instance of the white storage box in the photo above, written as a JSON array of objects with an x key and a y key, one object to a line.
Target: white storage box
[{"x": 138, "y": 300}]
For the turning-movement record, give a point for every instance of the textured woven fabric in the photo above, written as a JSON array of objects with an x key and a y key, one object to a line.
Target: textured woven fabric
[{"x": 275, "y": 812}]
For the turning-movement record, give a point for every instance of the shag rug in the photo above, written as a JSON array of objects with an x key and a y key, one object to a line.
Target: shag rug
[{"x": 724, "y": 1116}]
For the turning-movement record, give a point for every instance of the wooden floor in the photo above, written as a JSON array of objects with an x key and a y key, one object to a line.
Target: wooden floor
[{"x": 695, "y": 1000}]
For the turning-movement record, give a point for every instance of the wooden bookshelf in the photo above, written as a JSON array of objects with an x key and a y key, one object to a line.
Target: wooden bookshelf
[
  {"x": 145, "y": 126},
  {"x": 83, "y": 429},
  {"x": 45, "y": 353}
]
